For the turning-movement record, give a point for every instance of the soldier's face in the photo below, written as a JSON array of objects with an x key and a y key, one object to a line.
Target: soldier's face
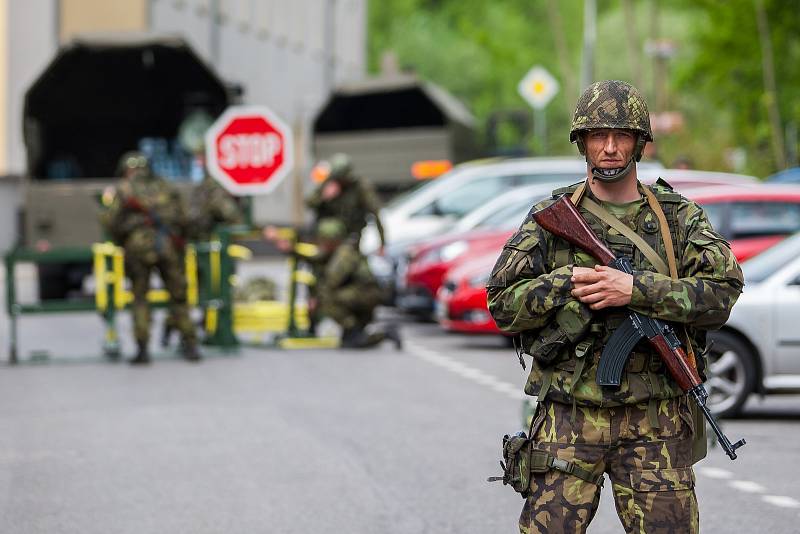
[{"x": 609, "y": 148}]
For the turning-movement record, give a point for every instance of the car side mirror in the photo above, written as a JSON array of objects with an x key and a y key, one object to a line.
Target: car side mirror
[{"x": 795, "y": 281}]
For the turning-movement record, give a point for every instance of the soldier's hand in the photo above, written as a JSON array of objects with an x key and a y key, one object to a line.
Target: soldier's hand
[
  {"x": 580, "y": 270},
  {"x": 331, "y": 190},
  {"x": 602, "y": 287}
]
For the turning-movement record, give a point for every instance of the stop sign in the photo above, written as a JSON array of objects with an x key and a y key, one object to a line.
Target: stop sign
[{"x": 249, "y": 150}]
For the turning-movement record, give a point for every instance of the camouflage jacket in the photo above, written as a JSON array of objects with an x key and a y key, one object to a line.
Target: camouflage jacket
[
  {"x": 146, "y": 216},
  {"x": 356, "y": 201},
  {"x": 346, "y": 267},
  {"x": 529, "y": 293},
  {"x": 211, "y": 205}
]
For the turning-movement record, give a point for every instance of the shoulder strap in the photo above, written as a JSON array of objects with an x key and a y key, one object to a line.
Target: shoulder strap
[
  {"x": 601, "y": 213},
  {"x": 665, "y": 235}
]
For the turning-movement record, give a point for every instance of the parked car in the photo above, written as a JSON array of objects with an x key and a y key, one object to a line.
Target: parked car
[
  {"x": 435, "y": 206},
  {"x": 421, "y": 271},
  {"x": 461, "y": 299},
  {"x": 758, "y": 349},
  {"x": 681, "y": 179},
  {"x": 786, "y": 176},
  {"x": 751, "y": 217}
]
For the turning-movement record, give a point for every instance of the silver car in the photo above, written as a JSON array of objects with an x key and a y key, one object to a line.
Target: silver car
[{"x": 758, "y": 349}]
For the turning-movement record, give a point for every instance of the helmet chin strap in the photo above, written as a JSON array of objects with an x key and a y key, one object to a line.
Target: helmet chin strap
[{"x": 611, "y": 176}]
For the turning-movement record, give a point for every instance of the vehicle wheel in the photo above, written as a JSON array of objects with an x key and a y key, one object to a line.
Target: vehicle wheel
[{"x": 731, "y": 374}]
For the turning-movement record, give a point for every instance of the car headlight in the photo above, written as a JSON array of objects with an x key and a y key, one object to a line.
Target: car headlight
[{"x": 453, "y": 250}]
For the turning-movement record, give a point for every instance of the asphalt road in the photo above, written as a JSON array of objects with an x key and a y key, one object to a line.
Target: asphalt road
[{"x": 278, "y": 441}]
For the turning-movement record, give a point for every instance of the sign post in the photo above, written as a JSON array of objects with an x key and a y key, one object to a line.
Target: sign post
[
  {"x": 249, "y": 150},
  {"x": 538, "y": 87}
]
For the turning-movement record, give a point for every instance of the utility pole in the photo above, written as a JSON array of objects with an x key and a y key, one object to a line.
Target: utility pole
[{"x": 589, "y": 40}]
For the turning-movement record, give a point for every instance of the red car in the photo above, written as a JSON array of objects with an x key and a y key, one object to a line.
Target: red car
[
  {"x": 751, "y": 217},
  {"x": 429, "y": 262}
]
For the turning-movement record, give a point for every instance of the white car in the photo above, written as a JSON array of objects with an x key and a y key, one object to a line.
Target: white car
[
  {"x": 758, "y": 349},
  {"x": 434, "y": 207}
]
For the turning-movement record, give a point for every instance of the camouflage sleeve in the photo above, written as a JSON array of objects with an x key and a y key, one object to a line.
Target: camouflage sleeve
[
  {"x": 225, "y": 208},
  {"x": 341, "y": 267},
  {"x": 314, "y": 200},
  {"x": 711, "y": 279},
  {"x": 522, "y": 295}
]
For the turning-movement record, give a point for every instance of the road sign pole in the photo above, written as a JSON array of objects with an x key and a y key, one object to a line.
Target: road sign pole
[{"x": 540, "y": 129}]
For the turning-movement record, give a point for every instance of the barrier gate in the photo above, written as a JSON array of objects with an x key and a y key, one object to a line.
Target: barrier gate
[{"x": 210, "y": 280}]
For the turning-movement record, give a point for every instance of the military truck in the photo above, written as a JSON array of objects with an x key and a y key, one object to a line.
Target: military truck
[{"x": 98, "y": 98}]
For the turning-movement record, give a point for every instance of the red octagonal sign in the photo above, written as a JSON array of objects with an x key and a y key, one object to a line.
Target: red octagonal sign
[{"x": 249, "y": 150}]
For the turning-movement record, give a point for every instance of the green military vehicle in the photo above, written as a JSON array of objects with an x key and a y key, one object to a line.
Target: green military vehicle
[{"x": 97, "y": 99}]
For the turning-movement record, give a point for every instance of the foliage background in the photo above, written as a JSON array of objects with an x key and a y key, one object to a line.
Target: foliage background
[{"x": 480, "y": 49}]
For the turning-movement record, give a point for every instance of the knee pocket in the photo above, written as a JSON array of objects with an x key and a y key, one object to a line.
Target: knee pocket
[{"x": 673, "y": 479}]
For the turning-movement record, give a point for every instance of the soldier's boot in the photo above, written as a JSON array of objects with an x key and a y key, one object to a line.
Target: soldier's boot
[
  {"x": 142, "y": 356},
  {"x": 190, "y": 352},
  {"x": 393, "y": 335},
  {"x": 353, "y": 338}
]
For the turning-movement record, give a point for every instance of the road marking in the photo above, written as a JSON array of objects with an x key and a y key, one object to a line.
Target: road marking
[
  {"x": 747, "y": 486},
  {"x": 465, "y": 371},
  {"x": 779, "y": 500},
  {"x": 715, "y": 472},
  {"x": 510, "y": 390}
]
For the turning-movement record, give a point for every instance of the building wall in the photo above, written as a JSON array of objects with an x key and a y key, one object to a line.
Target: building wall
[
  {"x": 286, "y": 55},
  {"x": 77, "y": 17}
]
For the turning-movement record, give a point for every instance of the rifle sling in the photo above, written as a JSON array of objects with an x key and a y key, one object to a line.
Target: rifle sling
[{"x": 601, "y": 213}]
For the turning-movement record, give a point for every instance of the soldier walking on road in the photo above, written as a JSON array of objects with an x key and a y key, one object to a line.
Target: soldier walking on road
[
  {"x": 148, "y": 218},
  {"x": 642, "y": 435}
]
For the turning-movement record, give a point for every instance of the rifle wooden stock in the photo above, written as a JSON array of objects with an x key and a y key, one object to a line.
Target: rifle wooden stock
[
  {"x": 677, "y": 363},
  {"x": 562, "y": 219}
]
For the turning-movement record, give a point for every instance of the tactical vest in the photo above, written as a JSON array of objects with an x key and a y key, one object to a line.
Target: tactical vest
[{"x": 571, "y": 376}]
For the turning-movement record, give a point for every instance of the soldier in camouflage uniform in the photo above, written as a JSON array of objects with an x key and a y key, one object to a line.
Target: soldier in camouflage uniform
[
  {"x": 565, "y": 307},
  {"x": 347, "y": 290},
  {"x": 148, "y": 218},
  {"x": 346, "y": 197},
  {"x": 210, "y": 206}
]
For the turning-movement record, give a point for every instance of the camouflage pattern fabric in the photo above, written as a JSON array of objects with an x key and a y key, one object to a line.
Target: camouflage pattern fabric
[
  {"x": 348, "y": 291},
  {"x": 148, "y": 218},
  {"x": 649, "y": 469},
  {"x": 211, "y": 205},
  {"x": 356, "y": 201},
  {"x": 530, "y": 283},
  {"x": 611, "y": 104}
]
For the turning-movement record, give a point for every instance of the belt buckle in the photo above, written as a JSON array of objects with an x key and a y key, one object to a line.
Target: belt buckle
[{"x": 562, "y": 465}]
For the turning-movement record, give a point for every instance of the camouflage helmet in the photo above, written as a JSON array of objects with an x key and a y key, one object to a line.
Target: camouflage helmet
[
  {"x": 341, "y": 166},
  {"x": 331, "y": 229},
  {"x": 133, "y": 159},
  {"x": 611, "y": 104}
]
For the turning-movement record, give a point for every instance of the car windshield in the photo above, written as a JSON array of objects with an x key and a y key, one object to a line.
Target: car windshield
[
  {"x": 762, "y": 266},
  {"x": 508, "y": 217}
]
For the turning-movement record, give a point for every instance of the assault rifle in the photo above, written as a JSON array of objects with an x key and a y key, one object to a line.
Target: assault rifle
[
  {"x": 565, "y": 221},
  {"x": 154, "y": 220}
]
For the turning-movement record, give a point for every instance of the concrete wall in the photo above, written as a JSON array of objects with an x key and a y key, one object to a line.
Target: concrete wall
[
  {"x": 286, "y": 54},
  {"x": 32, "y": 41}
]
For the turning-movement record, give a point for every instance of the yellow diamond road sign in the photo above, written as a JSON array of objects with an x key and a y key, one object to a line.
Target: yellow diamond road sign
[{"x": 538, "y": 87}]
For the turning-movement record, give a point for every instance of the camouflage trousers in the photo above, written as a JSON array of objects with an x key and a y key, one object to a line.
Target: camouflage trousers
[
  {"x": 350, "y": 306},
  {"x": 649, "y": 468},
  {"x": 170, "y": 267}
]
